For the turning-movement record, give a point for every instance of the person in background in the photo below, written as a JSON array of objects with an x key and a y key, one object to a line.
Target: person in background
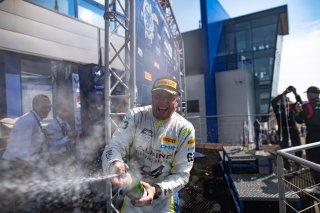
[
  {"x": 302, "y": 130},
  {"x": 257, "y": 133},
  {"x": 158, "y": 145},
  {"x": 27, "y": 138},
  {"x": 60, "y": 136},
  {"x": 309, "y": 113},
  {"x": 287, "y": 127}
]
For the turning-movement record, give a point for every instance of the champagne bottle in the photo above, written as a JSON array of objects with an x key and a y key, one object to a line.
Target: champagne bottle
[{"x": 135, "y": 190}]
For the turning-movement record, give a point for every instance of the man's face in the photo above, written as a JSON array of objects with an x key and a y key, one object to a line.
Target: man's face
[
  {"x": 43, "y": 107},
  {"x": 312, "y": 96},
  {"x": 63, "y": 113},
  {"x": 164, "y": 104}
]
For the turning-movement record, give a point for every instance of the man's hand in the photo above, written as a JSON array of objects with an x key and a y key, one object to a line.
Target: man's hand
[
  {"x": 118, "y": 167},
  {"x": 72, "y": 133},
  {"x": 289, "y": 89},
  {"x": 145, "y": 201}
]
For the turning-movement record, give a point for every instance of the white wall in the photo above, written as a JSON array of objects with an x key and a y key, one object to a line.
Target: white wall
[
  {"x": 196, "y": 91},
  {"x": 235, "y": 102},
  {"x": 34, "y": 30}
]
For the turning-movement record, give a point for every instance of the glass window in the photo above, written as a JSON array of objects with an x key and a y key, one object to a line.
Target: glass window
[
  {"x": 242, "y": 26},
  {"x": 91, "y": 13},
  {"x": 232, "y": 62},
  {"x": 221, "y": 48},
  {"x": 62, "y": 6},
  {"x": 229, "y": 26},
  {"x": 264, "y": 53},
  {"x": 115, "y": 27},
  {"x": 245, "y": 61},
  {"x": 264, "y": 108},
  {"x": 100, "y": 1},
  {"x": 265, "y": 95},
  {"x": 120, "y": 6},
  {"x": 230, "y": 43},
  {"x": 263, "y": 68},
  {"x": 264, "y": 38},
  {"x": 267, "y": 20},
  {"x": 243, "y": 40},
  {"x": 35, "y": 79},
  {"x": 193, "y": 106}
]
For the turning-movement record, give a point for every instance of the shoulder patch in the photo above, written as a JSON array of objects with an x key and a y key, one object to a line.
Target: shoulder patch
[{"x": 185, "y": 131}]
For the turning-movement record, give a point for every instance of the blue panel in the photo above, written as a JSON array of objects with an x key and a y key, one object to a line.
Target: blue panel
[
  {"x": 212, "y": 16},
  {"x": 72, "y": 5},
  {"x": 13, "y": 93},
  {"x": 156, "y": 49},
  {"x": 63, "y": 6},
  {"x": 13, "y": 85}
]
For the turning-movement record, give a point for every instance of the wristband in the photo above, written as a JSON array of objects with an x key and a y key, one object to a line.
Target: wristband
[{"x": 158, "y": 191}]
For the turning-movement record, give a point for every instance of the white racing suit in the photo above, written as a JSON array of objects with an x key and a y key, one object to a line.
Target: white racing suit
[{"x": 158, "y": 151}]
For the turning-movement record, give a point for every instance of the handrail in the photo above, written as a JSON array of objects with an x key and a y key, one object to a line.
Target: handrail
[
  {"x": 285, "y": 153},
  {"x": 228, "y": 115}
]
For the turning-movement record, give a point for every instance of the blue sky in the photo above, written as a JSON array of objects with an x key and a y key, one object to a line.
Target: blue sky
[{"x": 300, "y": 60}]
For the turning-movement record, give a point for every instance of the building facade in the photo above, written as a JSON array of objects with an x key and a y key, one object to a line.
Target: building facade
[{"x": 250, "y": 43}]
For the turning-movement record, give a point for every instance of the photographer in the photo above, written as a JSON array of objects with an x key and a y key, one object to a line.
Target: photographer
[
  {"x": 287, "y": 129},
  {"x": 309, "y": 113}
]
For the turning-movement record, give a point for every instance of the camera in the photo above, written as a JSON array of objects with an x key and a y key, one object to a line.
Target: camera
[{"x": 290, "y": 89}]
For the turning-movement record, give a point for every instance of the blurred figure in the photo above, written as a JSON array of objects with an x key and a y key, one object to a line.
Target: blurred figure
[
  {"x": 257, "y": 133},
  {"x": 287, "y": 128},
  {"x": 27, "y": 138},
  {"x": 269, "y": 137},
  {"x": 60, "y": 137},
  {"x": 309, "y": 113},
  {"x": 264, "y": 137},
  {"x": 273, "y": 136},
  {"x": 302, "y": 130}
]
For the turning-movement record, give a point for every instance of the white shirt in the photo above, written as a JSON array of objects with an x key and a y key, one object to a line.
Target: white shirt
[
  {"x": 57, "y": 136},
  {"x": 25, "y": 139}
]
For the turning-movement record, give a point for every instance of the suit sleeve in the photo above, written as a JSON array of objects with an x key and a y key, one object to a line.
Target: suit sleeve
[
  {"x": 20, "y": 140},
  {"x": 53, "y": 136}
]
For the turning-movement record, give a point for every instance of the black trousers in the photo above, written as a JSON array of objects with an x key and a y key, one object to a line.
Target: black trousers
[
  {"x": 313, "y": 155},
  {"x": 295, "y": 141}
]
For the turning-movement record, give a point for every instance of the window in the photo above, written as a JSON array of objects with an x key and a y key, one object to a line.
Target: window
[
  {"x": 245, "y": 61},
  {"x": 243, "y": 39},
  {"x": 35, "y": 79},
  {"x": 272, "y": 19},
  {"x": 263, "y": 68},
  {"x": 242, "y": 26},
  {"x": 100, "y": 1},
  {"x": 193, "y": 106},
  {"x": 62, "y": 6},
  {"x": 264, "y": 37},
  {"x": 91, "y": 13},
  {"x": 229, "y": 43}
]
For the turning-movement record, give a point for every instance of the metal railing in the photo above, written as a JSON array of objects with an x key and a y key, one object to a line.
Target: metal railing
[
  {"x": 297, "y": 189},
  {"x": 228, "y": 129}
]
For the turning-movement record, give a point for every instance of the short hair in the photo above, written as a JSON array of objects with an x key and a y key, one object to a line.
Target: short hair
[{"x": 38, "y": 99}]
